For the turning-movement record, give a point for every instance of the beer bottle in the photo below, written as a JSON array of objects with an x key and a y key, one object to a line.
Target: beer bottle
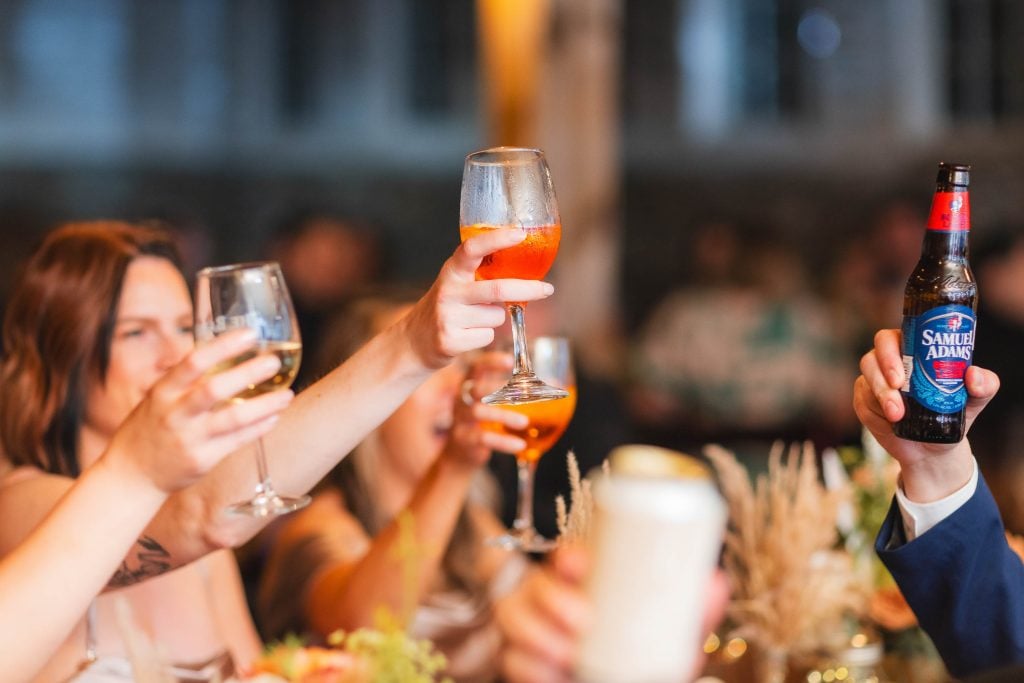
[{"x": 939, "y": 307}]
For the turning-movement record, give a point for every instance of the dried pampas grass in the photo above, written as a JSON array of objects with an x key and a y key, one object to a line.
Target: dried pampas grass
[
  {"x": 575, "y": 520},
  {"x": 791, "y": 587}
]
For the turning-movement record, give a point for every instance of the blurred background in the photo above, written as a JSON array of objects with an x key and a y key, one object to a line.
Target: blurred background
[{"x": 743, "y": 182}]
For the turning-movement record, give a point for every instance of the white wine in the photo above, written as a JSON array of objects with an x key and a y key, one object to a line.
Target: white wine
[{"x": 290, "y": 355}]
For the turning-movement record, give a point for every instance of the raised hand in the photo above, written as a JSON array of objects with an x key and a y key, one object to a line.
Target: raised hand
[
  {"x": 544, "y": 619},
  {"x": 471, "y": 441},
  {"x": 460, "y": 313},
  {"x": 187, "y": 423},
  {"x": 929, "y": 471}
]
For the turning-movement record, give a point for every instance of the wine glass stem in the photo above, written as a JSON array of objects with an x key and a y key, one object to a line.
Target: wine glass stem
[
  {"x": 263, "y": 488},
  {"x": 523, "y": 523},
  {"x": 520, "y": 349}
]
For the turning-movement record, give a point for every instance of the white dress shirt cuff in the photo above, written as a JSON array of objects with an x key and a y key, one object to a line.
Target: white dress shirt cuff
[{"x": 920, "y": 517}]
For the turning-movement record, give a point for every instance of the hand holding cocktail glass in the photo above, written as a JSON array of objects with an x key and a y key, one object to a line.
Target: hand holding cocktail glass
[{"x": 510, "y": 188}]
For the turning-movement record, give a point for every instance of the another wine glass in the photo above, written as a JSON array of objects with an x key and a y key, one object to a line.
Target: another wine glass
[
  {"x": 552, "y": 361},
  {"x": 253, "y": 295},
  {"x": 510, "y": 188}
]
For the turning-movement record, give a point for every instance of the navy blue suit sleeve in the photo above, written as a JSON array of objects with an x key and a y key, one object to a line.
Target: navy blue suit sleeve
[{"x": 963, "y": 582}]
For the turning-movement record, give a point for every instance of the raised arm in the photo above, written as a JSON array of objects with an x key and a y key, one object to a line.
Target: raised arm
[
  {"x": 347, "y": 594},
  {"x": 964, "y": 583},
  {"x": 179, "y": 431},
  {"x": 329, "y": 418}
]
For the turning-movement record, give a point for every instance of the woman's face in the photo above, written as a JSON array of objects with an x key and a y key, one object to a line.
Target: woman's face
[
  {"x": 152, "y": 332},
  {"x": 414, "y": 435}
]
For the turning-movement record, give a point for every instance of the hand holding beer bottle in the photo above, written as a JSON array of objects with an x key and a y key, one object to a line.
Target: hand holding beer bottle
[
  {"x": 928, "y": 471},
  {"x": 939, "y": 318}
]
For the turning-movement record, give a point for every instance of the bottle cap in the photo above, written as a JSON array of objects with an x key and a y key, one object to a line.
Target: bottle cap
[{"x": 954, "y": 174}]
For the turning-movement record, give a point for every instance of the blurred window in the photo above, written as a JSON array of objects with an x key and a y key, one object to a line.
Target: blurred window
[
  {"x": 341, "y": 82},
  {"x": 317, "y": 81},
  {"x": 729, "y": 72}
]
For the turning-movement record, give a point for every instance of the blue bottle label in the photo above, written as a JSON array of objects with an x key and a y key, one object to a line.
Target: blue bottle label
[{"x": 937, "y": 349}]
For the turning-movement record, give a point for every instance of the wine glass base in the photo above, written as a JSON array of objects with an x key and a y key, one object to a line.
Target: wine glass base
[
  {"x": 526, "y": 390},
  {"x": 269, "y": 505},
  {"x": 529, "y": 542}
]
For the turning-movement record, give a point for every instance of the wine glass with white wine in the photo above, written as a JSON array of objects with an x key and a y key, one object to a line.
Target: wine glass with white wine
[{"x": 253, "y": 295}]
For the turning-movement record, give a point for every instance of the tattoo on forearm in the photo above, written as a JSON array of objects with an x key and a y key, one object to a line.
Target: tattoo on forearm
[{"x": 153, "y": 560}]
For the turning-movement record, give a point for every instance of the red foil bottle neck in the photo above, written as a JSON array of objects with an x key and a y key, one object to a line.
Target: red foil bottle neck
[{"x": 951, "y": 212}]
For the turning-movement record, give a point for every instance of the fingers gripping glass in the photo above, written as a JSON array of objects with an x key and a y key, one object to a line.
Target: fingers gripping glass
[
  {"x": 253, "y": 295},
  {"x": 510, "y": 188}
]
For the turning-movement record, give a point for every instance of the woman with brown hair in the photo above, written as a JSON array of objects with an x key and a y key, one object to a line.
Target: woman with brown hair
[
  {"x": 100, "y": 313},
  {"x": 183, "y": 427},
  {"x": 333, "y": 565}
]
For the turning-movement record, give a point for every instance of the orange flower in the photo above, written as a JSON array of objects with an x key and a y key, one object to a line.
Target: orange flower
[
  {"x": 309, "y": 665},
  {"x": 889, "y": 609},
  {"x": 1016, "y": 544}
]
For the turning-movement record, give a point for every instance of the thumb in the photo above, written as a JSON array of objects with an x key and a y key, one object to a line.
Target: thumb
[{"x": 982, "y": 386}]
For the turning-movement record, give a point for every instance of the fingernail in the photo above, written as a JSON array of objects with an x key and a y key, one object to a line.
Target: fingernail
[
  {"x": 269, "y": 364},
  {"x": 891, "y": 408},
  {"x": 246, "y": 336}
]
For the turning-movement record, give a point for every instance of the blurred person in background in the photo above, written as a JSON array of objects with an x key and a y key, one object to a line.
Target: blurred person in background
[
  {"x": 332, "y": 565},
  {"x": 100, "y": 312},
  {"x": 181, "y": 429},
  {"x": 744, "y": 356},
  {"x": 867, "y": 281},
  {"x": 326, "y": 259},
  {"x": 998, "y": 265}
]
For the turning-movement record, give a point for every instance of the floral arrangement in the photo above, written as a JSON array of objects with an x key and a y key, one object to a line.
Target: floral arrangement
[
  {"x": 382, "y": 655},
  {"x": 794, "y": 588},
  {"x": 575, "y": 518},
  {"x": 291, "y": 660},
  {"x": 871, "y": 476}
]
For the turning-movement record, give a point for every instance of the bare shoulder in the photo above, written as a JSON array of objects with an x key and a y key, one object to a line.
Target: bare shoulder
[{"x": 27, "y": 494}]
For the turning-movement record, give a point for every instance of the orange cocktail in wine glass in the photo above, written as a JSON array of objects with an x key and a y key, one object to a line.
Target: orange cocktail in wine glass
[
  {"x": 552, "y": 359},
  {"x": 548, "y": 421},
  {"x": 531, "y": 259},
  {"x": 510, "y": 188}
]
